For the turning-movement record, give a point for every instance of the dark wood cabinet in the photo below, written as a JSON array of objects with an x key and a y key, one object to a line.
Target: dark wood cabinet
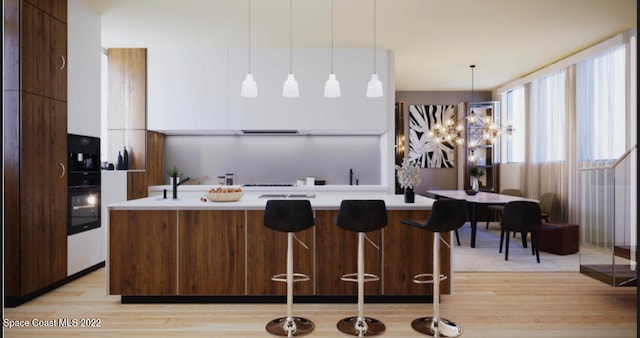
[
  {"x": 44, "y": 54},
  {"x": 143, "y": 252},
  {"x": 337, "y": 251},
  {"x": 231, "y": 253},
  {"x": 55, "y": 8},
  {"x": 35, "y": 148},
  {"x": 43, "y": 193},
  {"x": 206, "y": 264}
]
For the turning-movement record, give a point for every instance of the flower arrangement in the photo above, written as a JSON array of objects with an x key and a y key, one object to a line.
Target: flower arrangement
[
  {"x": 408, "y": 174},
  {"x": 475, "y": 172}
]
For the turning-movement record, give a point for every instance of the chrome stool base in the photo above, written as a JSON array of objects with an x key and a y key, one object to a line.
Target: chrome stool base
[
  {"x": 446, "y": 328},
  {"x": 371, "y": 327},
  {"x": 302, "y": 326}
]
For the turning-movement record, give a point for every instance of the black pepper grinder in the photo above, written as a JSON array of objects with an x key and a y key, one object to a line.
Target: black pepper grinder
[
  {"x": 119, "y": 162},
  {"x": 125, "y": 158}
]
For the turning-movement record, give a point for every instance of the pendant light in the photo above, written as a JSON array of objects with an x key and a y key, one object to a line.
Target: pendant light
[
  {"x": 374, "y": 88},
  {"x": 472, "y": 116},
  {"x": 249, "y": 86},
  {"x": 332, "y": 86},
  {"x": 290, "y": 88}
]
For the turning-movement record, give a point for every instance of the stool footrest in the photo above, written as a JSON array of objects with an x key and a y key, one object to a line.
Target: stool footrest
[
  {"x": 297, "y": 277},
  {"x": 353, "y": 277},
  {"x": 425, "y": 278}
]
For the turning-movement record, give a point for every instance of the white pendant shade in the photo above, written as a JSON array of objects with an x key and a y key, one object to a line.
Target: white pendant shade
[
  {"x": 374, "y": 88},
  {"x": 332, "y": 87},
  {"x": 290, "y": 88},
  {"x": 249, "y": 87}
]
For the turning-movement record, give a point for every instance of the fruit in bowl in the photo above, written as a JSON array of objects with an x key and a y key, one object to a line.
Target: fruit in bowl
[{"x": 221, "y": 194}]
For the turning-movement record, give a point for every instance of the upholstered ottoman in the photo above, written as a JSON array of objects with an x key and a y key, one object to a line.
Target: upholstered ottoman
[{"x": 558, "y": 238}]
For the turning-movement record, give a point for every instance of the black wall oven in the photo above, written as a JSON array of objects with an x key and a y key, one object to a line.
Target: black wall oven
[{"x": 83, "y": 201}]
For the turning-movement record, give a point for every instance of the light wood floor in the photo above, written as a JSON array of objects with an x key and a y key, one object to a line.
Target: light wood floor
[{"x": 499, "y": 304}]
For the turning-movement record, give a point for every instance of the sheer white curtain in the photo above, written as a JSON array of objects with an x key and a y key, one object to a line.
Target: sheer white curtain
[
  {"x": 601, "y": 114},
  {"x": 600, "y": 103},
  {"x": 547, "y": 143}
]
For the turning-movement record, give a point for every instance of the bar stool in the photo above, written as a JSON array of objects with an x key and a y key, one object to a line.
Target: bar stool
[
  {"x": 445, "y": 216},
  {"x": 361, "y": 216},
  {"x": 289, "y": 216}
]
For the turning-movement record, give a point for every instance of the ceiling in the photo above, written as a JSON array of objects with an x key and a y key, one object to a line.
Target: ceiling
[{"x": 434, "y": 41}]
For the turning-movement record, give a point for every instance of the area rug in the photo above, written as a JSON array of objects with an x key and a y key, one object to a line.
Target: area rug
[{"x": 486, "y": 258}]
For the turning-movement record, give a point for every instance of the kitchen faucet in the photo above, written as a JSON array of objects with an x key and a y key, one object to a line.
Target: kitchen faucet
[{"x": 176, "y": 184}]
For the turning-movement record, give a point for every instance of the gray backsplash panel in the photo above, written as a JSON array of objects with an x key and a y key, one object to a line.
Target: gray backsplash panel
[{"x": 276, "y": 158}]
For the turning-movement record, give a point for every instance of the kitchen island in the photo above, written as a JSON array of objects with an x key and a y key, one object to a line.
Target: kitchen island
[{"x": 187, "y": 249}]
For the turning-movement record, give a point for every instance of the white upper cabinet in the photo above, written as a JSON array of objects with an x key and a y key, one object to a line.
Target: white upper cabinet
[
  {"x": 199, "y": 90},
  {"x": 186, "y": 89}
]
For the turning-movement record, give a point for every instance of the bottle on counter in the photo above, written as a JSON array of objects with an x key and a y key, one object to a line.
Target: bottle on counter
[
  {"x": 229, "y": 178},
  {"x": 119, "y": 162},
  {"x": 125, "y": 159}
]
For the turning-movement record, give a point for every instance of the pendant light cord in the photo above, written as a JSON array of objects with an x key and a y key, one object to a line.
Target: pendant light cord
[
  {"x": 472, "y": 68},
  {"x": 374, "y": 36},
  {"x": 249, "y": 36},
  {"x": 290, "y": 36},
  {"x": 331, "y": 36}
]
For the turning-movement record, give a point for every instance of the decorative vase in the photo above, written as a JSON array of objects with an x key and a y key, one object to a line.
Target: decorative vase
[
  {"x": 409, "y": 195},
  {"x": 474, "y": 184}
]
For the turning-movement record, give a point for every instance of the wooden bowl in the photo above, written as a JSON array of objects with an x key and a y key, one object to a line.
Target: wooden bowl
[{"x": 224, "y": 196}]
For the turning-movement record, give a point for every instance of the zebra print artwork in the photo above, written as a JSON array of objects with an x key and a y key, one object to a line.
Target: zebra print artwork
[{"x": 422, "y": 147}]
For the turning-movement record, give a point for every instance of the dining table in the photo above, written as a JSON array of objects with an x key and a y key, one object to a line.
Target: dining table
[{"x": 481, "y": 197}]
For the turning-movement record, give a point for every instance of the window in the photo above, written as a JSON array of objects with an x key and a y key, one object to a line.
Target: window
[
  {"x": 600, "y": 106},
  {"x": 547, "y": 118},
  {"x": 515, "y": 116}
]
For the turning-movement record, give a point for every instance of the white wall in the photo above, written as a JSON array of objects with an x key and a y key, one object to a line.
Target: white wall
[
  {"x": 87, "y": 248},
  {"x": 83, "y": 72}
]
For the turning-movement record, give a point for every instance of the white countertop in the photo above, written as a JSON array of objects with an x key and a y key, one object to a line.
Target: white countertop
[
  {"x": 158, "y": 189},
  {"x": 251, "y": 200}
]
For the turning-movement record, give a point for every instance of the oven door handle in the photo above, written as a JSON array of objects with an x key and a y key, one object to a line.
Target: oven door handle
[
  {"x": 64, "y": 170},
  {"x": 83, "y": 187}
]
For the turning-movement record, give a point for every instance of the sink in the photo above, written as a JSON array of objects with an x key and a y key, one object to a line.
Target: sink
[
  {"x": 273, "y": 195},
  {"x": 287, "y": 195}
]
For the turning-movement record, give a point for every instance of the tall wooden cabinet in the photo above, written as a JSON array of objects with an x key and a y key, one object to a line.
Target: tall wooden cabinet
[
  {"x": 35, "y": 146},
  {"x": 485, "y": 153}
]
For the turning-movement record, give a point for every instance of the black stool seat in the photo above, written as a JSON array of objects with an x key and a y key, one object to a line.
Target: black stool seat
[
  {"x": 289, "y": 216},
  {"x": 361, "y": 216},
  {"x": 446, "y": 215}
]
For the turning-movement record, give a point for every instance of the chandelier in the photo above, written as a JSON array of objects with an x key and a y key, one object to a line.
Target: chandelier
[{"x": 479, "y": 128}]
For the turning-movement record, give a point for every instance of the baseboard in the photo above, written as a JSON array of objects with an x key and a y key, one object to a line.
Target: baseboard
[{"x": 16, "y": 301}]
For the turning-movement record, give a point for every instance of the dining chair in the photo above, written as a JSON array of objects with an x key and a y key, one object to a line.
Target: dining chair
[
  {"x": 497, "y": 209},
  {"x": 547, "y": 200},
  {"x": 523, "y": 217}
]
